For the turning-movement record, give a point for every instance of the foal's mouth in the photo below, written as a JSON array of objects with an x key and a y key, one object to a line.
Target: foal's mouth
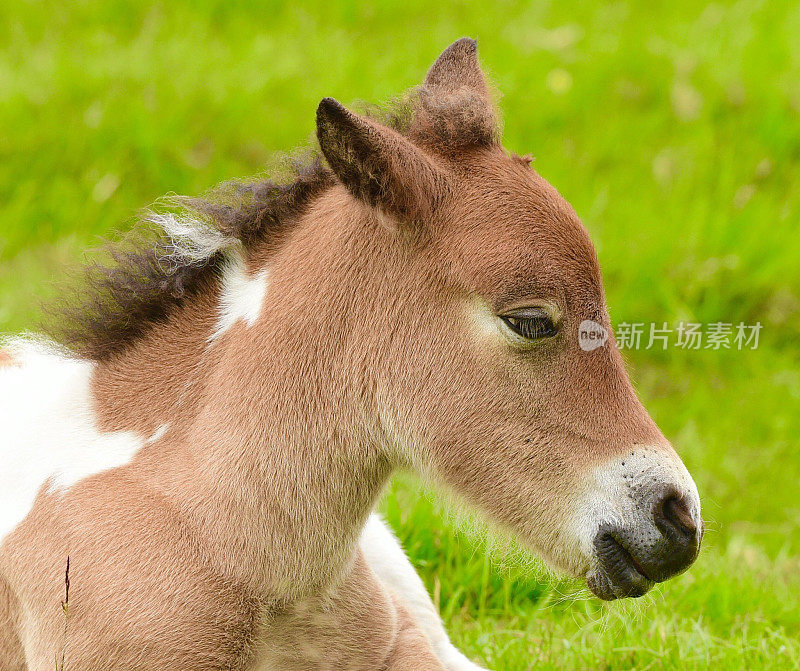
[{"x": 618, "y": 574}]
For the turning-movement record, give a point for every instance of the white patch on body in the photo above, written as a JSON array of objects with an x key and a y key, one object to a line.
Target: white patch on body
[
  {"x": 241, "y": 296},
  {"x": 390, "y": 563},
  {"x": 48, "y": 432}
]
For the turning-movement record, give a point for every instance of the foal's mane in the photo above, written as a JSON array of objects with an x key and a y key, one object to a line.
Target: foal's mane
[{"x": 176, "y": 248}]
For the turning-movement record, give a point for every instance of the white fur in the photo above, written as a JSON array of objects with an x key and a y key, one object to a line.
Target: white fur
[
  {"x": 242, "y": 295},
  {"x": 386, "y": 557},
  {"x": 620, "y": 492},
  {"x": 158, "y": 434},
  {"x": 48, "y": 436},
  {"x": 191, "y": 240}
]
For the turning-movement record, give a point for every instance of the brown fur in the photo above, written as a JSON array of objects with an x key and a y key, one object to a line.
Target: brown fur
[{"x": 231, "y": 541}]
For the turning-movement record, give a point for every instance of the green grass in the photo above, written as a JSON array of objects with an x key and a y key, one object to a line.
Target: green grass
[{"x": 673, "y": 128}]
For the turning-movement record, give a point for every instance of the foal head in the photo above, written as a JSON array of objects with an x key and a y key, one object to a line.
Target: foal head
[{"x": 476, "y": 301}]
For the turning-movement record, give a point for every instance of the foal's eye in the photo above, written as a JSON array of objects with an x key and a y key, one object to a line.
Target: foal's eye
[{"x": 531, "y": 323}]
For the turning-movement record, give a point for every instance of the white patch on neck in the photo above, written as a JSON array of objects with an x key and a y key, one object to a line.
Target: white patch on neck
[
  {"x": 48, "y": 430},
  {"x": 194, "y": 241},
  {"x": 241, "y": 297}
]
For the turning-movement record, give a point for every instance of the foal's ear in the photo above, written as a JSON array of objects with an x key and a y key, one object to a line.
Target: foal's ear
[
  {"x": 457, "y": 67},
  {"x": 377, "y": 164},
  {"x": 457, "y": 107}
]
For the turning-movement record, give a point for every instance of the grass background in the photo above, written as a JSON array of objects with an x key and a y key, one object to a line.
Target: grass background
[{"x": 673, "y": 128}]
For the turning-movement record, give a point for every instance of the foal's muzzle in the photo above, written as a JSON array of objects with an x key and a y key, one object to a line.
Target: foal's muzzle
[{"x": 631, "y": 558}]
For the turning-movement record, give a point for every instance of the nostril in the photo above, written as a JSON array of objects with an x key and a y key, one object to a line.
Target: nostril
[
  {"x": 677, "y": 512},
  {"x": 674, "y": 512}
]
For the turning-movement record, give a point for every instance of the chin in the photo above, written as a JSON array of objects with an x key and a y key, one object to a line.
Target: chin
[{"x": 608, "y": 587}]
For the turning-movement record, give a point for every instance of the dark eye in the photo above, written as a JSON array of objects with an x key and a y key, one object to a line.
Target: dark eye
[{"x": 531, "y": 323}]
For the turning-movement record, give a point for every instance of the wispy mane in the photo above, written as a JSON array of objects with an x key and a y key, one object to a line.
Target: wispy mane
[
  {"x": 174, "y": 252},
  {"x": 178, "y": 246}
]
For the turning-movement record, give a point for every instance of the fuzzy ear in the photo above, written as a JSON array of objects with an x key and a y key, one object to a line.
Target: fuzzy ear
[
  {"x": 457, "y": 107},
  {"x": 457, "y": 67},
  {"x": 377, "y": 164}
]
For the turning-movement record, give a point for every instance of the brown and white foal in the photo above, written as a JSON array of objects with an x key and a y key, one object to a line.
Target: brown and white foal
[{"x": 209, "y": 449}]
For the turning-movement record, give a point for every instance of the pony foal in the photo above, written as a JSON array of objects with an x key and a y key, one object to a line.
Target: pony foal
[{"x": 208, "y": 445}]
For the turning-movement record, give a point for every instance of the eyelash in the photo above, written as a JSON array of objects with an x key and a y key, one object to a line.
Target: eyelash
[{"x": 531, "y": 323}]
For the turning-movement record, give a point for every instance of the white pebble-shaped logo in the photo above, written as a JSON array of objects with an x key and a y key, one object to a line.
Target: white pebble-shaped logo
[{"x": 591, "y": 335}]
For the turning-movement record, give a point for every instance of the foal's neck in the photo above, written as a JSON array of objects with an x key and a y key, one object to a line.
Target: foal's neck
[{"x": 263, "y": 453}]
